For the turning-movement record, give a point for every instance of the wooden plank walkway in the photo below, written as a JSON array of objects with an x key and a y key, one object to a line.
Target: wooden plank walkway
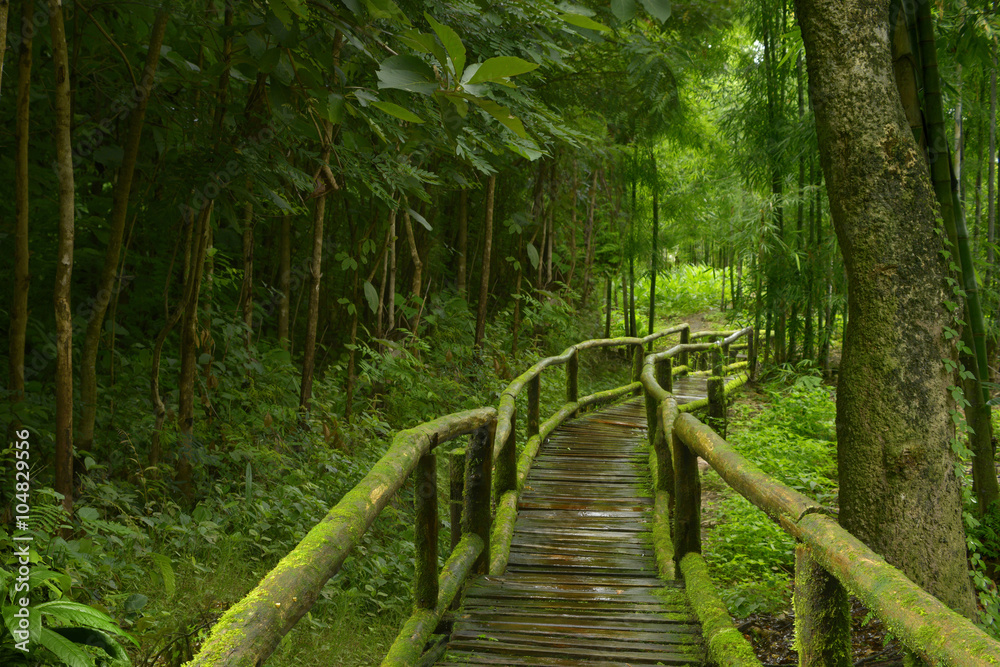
[{"x": 581, "y": 587}]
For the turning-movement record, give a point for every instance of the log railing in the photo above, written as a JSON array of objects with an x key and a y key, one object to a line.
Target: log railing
[
  {"x": 487, "y": 469},
  {"x": 829, "y": 560},
  {"x": 248, "y": 633}
]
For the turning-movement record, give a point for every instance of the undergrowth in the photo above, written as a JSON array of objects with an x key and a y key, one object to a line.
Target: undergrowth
[{"x": 786, "y": 428}]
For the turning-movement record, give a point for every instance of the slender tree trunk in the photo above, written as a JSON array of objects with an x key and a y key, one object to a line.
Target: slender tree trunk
[
  {"x": 898, "y": 489},
  {"x": 246, "y": 287},
  {"x": 64, "y": 259},
  {"x": 572, "y": 231},
  {"x": 4, "y": 12},
  {"x": 315, "y": 275},
  {"x": 607, "y": 306},
  {"x": 391, "y": 296},
  {"x": 285, "y": 281},
  {"x": 991, "y": 177},
  {"x": 119, "y": 212},
  {"x": 978, "y": 220},
  {"x": 655, "y": 265},
  {"x": 590, "y": 233},
  {"x": 484, "y": 284},
  {"x": 418, "y": 268},
  {"x": 188, "y": 353},
  {"x": 22, "y": 277},
  {"x": 463, "y": 240}
]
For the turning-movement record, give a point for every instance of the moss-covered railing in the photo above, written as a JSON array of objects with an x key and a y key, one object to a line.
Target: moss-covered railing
[
  {"x": 248, "y": 632},
  {"x": 829, "y": 560}
]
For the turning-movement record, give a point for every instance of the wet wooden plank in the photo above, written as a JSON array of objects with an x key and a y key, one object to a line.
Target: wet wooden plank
[{"x": 581, "y": 587}]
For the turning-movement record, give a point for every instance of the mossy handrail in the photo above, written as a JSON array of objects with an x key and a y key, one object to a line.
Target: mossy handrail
[
  {"x": 250, "y": 630},
  {"x": 829, "y": 560}
]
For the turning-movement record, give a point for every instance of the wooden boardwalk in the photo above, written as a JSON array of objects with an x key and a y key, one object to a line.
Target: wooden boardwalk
[{"x": 581, "y": 587}]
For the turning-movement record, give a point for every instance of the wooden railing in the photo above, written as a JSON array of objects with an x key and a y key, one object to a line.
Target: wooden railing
[
  {"x": 829, "y": 560},
  {"x": 248, "y": 632}
]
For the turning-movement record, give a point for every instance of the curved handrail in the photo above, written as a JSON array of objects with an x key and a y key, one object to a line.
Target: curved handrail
[
  {"x": 923, "y": 623},
  {"x": 250, "y": 630}
]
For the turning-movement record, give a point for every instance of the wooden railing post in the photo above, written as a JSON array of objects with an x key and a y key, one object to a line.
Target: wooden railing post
[
  {"x": 665, "y": 374},
  {"x": 506, "y": 465},
  {"x": 752, "y": 355},
  {"x": 534, "y": 391},
  {"x": 477, "y": 512},
  {"x": 425, "y": 589},
  {"x": 717, "y": 404},
  {"x": 687, "y": 502},
  {"x": 572, "y": 374},
  {"x": 456, "y": 488},
  {"x": 651, "y": 422},
  {"x": 637, "y": 357},
  {"x": 717, "y": 357},
  {"x": 685, "y": 340},
  {"x": 822, "y": 615}
]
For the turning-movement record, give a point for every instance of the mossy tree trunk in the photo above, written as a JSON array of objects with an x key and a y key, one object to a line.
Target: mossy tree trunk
[
  {"x": 484, "y": 285},
  {"x": 898, "y": 489}
]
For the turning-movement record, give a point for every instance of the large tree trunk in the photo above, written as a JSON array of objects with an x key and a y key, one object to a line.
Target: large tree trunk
[
  {"x": 22, "y": 278},
  {"x": 64, "y": 259},
  {"x": 119, "y": 211},
  {"x": 898, "y": 489},
  {"x": 484, "y": 285}
]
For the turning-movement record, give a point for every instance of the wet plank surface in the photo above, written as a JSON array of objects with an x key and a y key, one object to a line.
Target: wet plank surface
[{"x": 581, "y": 586}]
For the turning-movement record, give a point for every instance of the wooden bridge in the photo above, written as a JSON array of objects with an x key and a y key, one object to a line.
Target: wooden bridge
[{"x": 563, "y": 553}]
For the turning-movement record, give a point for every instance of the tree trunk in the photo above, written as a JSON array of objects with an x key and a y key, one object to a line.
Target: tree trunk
[
  {"x": 64, "y": 259},
  {"x": 390, "y": 324},
  {"x": 655, "y": 264},
  {"x": 22, "y": 277},
  {"x": 246, "y": 287},
  {"x": 607, "y": 306},
  {"x": 991, "y": 178},
  {"x": 285, "y": 281},
  {"x": 588, "y": 258},
  {"x": 315, "y": 274},
  {"x": 119, "y": 212},
  {"x": 418, "y": 269},
  {"x": 572, "y": 231},
  {"x": 898, "y": 489},
  {"x": 4, "y": 12},
  {"x": 463, "y": 240},
  {"x": 189, "y": 346},
  {"x": 484, "y": 284}
]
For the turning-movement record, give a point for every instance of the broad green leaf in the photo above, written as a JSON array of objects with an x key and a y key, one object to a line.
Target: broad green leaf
[
  {"x": 372, "y": 296},
  {"x": 70, "y": 654},
  {"x": 419, "y": 218},
  {"x": 423, "y": 42},
  {"x": 353, "y": 6},
  {"x": 503, "y": 115},
  {"x": 386, "y": 9},
  {"x": 268, "y": 60},
  {"x": 399, "y": 112},
  {"x": 332, "y": 108},
  {"x": 499, "y": 68},
  {"x": 659, "y": 9},
  {"x": 623, "y": 9},
  {"x": 80, "y": 614},
  {"x": 88, "y": 513},
  {"x": 407, "y": 73},
  {"x": 166, "y": 567},
  {"x": 581, "y": 21},
  {"x": 452, "y": 44},
  {"x": 533, "y": 255}
]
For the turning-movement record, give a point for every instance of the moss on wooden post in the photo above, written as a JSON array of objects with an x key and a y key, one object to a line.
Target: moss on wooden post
[
  {"x": 717, "y": 356},
  {"x": 687, "y": 502},
  {"x": 456, "y": 491},
  {"x": 572, "y": 373},
  {"x": 822, "y": 615},
  {"x": 685, "y": 340},
  {"x": 477, "y": 512},
  {"x": 752, "y": 354},
  {"x": 425, "y": 586},
  {"x": 666, "y": 414},
  {"x": 637, "y": 356},
  {"x": 534, "y": 392},
  {"x": 665, "y": 375},
  {"x": 717, "y": 405},
  {"x": 506, "y": 464}
]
